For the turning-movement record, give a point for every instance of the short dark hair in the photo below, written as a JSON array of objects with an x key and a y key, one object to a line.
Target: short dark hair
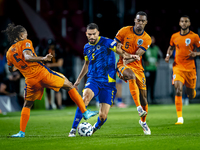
[
  {"x": 92, "y": 26},
  {"x": 142, "y": 13},
  {"x": 13, "y": 32},
  {"x": 185, "y": 16}
]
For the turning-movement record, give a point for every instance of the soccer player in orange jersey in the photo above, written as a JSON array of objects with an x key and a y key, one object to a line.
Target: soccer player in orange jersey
[
  {"x": 21, "y": 56},
  {"x": 185, "y": 43},
  {"x": 136, "y": 41}
]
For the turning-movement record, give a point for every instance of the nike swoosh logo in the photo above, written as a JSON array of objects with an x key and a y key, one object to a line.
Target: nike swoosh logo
[{"x": 129, "y": 38}]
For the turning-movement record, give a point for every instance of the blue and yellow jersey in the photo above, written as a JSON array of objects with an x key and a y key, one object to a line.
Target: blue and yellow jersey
[{"x": 101, "y": 59}]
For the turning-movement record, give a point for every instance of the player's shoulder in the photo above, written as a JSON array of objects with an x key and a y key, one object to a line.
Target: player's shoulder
[
  {"x": 176, "y": 34},
  {"x": 146, "y": 35},
  {"x": 127, "y": 29},
  {"x": 193, "y": 34}
]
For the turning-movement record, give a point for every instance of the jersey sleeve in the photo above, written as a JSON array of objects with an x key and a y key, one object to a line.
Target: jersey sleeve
[
  {"x": 197, "y": 41},
  {"x": 84, "y": 54},
  {"x": 9, "y": 60},
  {"x": 111, "y": 44},
  {"x": 27, "y": 45},
  {"x": 120, "y": 35},
  {"x": 172, "y": 41},
  {"x": 145, "y": 43}
]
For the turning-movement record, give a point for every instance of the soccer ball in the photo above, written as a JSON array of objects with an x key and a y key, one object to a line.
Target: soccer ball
[{"x": 85, "y": 129}]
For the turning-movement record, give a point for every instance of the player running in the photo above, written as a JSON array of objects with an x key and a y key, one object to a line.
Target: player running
[
  {"x": 135, "y": 41},
  {"x": 21, "y": 56},
  {"x": 184, "y": 69},
  {"x": 101, "y": 72}
]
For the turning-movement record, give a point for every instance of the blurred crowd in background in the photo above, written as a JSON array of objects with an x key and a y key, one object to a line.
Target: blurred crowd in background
[{"x": 58, "y": 26}]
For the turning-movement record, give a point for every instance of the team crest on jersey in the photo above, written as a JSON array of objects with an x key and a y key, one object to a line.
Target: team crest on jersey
[
  {"x": 174, "y": 76},
  {"x": 98, "y": 47},
  {"x": 28, "y": 44},
  {"x": 140, "y": 42},
  {"x": 187, "y": 41}
]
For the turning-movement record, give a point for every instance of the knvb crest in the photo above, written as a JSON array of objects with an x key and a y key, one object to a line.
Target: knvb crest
[
  {"x": 140, "y": 42},
  {"x": 187, "y": 41}
]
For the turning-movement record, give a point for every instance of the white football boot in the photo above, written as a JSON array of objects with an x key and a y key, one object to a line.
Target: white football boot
[
  {"x": 145, "y": 128},
  {"x": 141, "y": 112},
  {"x": 180, "y": 120},
  {"x": 72, "y": 133}
]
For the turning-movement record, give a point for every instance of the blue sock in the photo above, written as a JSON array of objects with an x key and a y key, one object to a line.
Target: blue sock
[
  {"x": 99, "y": 123},
  {"x": 77, "y": 118},
  {"x": 119, "y": 99}
]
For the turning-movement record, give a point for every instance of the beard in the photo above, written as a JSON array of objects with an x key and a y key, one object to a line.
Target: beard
[
  {"x": 93, "y": 41},
  {"x": 139, "y": 29}
]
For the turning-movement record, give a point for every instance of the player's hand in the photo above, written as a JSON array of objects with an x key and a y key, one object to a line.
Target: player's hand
[
  {"x": 136, "y": 57},
  {"x": 192, "y": 54},
  {"x": 167, "y": 59},
  {"x": 76, "y": 84},
  {"x": 48, "y": 57}
]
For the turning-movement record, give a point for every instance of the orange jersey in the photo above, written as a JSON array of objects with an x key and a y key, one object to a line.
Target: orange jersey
[
  {"x": 183, "y": 44},
  {"x": 131, "y": 43},
  {"x": 28, "y": 69}
]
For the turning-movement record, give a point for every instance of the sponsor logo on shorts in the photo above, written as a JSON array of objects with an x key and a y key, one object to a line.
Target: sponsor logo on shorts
[{"x": 87, "y": 84}]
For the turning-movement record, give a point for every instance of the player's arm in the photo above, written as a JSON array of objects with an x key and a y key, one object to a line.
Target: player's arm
[
  {"x": 137, "y": 55},
  {"x": 82, "y": 73},
  {"x": 30, "y": 58},
  {"x": 124, "y": 54},
  {"x": 169, "y": 53},
  {"x": 12, "y": 68}
]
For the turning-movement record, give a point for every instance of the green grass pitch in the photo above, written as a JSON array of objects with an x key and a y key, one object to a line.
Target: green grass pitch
[{"x": 48, "y": 130}]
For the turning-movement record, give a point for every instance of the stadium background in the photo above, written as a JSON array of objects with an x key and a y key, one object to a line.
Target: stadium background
[{"x": 65, "y": 21}]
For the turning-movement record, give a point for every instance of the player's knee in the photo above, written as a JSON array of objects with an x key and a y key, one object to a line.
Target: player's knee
[
  {"x": 86, "y": 100},
  {"x": 178, "y": 91},
  {"x": 102, "y": 116}
]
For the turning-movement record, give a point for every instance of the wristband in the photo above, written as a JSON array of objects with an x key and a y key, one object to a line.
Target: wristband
[{"x": 167, "y": 55}]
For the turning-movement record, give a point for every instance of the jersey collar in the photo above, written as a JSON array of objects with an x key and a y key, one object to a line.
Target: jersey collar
[
  {"x": 96, "y": 42},
  {"x": 184, "y": 34}
]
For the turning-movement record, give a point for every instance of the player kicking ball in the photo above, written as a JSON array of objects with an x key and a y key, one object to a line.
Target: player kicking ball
[
  {"x": 101, "y": 72},
  {"x": 21, "y": 56},
  {"x": 185, "y": 43}
]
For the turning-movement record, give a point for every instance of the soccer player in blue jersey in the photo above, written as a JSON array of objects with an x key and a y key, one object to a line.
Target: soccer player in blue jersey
[{"x": 100, "y": 68}]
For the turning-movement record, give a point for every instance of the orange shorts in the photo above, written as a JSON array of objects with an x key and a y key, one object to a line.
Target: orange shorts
[
  {"x": 34, "y": 88},
  {"x": 140, "y": 77},
  {"x": 186, "y": 77}
]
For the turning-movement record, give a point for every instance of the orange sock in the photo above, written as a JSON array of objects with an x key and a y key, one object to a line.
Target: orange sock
[
  {"x": 195, "y": 93},
  {"x": 178, "y": 103},
  {"x": 25, "y": 114},
  {"x": 143, "y": 119},
  {"x": 75, "y": 96},
  {"x": 134, "y": 92}
]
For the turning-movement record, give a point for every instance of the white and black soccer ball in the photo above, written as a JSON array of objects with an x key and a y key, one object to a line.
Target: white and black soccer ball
[{"x": 85, "y": 129}]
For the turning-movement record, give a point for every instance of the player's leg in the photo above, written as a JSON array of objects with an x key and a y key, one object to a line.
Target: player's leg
[
  {"x": 128, "y": 74},
  {"x": 55, "y": 81},
  {"x": 31, "y": 93},
  {"x": 144, "y": 104},
  {"x": 191, "y": 93},
  {"x": 103, "y": 112},
  {"x": 190, "y": 84},
  {"x": 106, "y": 99},
  {"x": 178, "y": 100},
  {"x": 88, "y": 94},
  {"x": 25, "y": 114}
]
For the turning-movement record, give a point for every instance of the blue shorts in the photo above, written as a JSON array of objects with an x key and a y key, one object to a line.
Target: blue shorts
[{"x": 104, "y": 91}]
